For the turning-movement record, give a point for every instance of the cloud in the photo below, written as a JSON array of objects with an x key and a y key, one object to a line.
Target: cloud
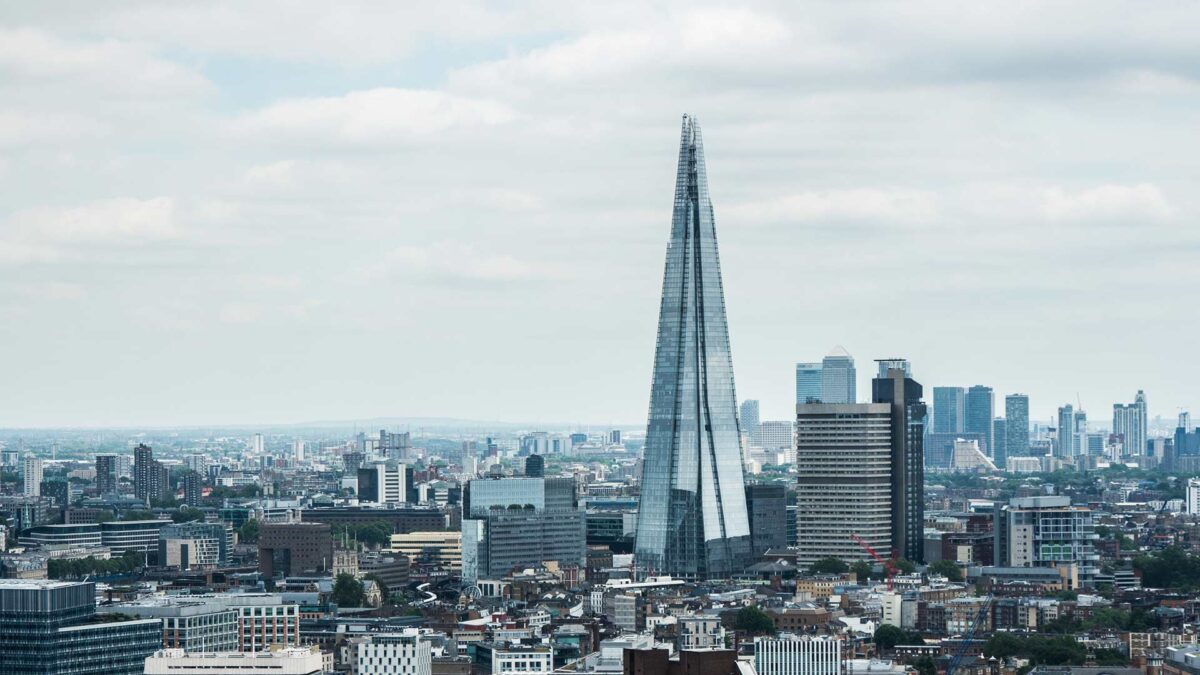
[
  {"x": 121, "y": 68},
  {"x": 240, "y": 312},
  {"x": 455, "y": 263},
  {"x": 860, "y": 205},
  {"x": 19, "y": 129},
  {"x": 1143, "y": 201},
  {"x": 371, "y": 117},
  {"x": 52, "y": 234}
]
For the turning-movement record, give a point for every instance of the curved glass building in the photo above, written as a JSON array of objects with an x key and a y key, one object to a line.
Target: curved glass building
[{"x": 692, "y": 520}]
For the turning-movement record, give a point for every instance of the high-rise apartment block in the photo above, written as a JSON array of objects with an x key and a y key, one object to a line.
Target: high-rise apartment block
[
  {"x": 1130, "y": 423},
  {"x": 31, "y": 477},
  {"x": 692, "y": 519},
  {"x": 1046, "y": 532},
  {"x": 151, "y": 480},
  {"x": 1016, "y": 412},
  {"x": 838, "y": 377},
  {"x": 909, "y": 414},
  {"x": 978, "y": 415},
  {"x": 949, "y": 410},
  {"x": 106, "y": 474}
]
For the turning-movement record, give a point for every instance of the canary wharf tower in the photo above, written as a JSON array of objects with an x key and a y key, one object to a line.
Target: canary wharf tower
[{"x": 692, "y": 519}]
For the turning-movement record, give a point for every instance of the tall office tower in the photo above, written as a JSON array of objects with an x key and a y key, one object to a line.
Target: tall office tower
[
  {"x": 767, "y": 503},
  {"x": 903, "y": 394},
  {"x": 1016, "y": 411},
  {"x": 844, "y": 463},
  {"x": 1129, "y": 422},
  {"x": 1064, "y": 444},
  {"x": 776, "y": 435},
  {"x": 383, "y": 483},
  {"x": 259, "y": 445},
  {"x": 949, "y": 410},
  {"x": 1185, "y": 420},
  {"x": 888, "y": 364},
  {"x": 298, "y": 450},
  {"x": 808, "y": 383},
  {"x": 535, "y": 466},
  {"x": 692, "y": 519},
  {"x": 750, "y": 420},
  {"x": 106, "y": 474},
  {"x": 838, "y": 377},
  {"x": 1000, "y": 436},
  {"x": 52, "y": 627},
  {"x": 614, "y": 437},
  {"x": 31, "y": 477},
  {"x": 979, "y": 413}
]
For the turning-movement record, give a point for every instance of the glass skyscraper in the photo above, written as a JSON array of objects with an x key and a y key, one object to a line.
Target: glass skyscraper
[
  {"x": 1016, "y": 411},
  {"x": 949, "y": 408},
  {"x": 692, "y": 519},
  {"x": 838, "y": 377},
  {"x": 808, "y": 383},
  {"x": 978, "y": 416}
]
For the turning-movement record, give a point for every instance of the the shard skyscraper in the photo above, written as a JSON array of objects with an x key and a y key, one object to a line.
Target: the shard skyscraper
[{"x": 692, "y": 518}]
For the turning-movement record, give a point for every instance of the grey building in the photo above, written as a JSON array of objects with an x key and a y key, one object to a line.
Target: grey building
[
  {"x": 1130, "y": 422},
  {"x": 949, "y": 410},
  {"x": 808, "y": 383},
  {"x": 750, "y": 419},
  {"x": 106, "y": 474},
  {"x": 692, "y": 520},
  {"x": 838, "y": 377},
  {"x": 1000, "y": 437},
  {"x": 767, "y": 504},
  {"x": 1046, "y": 532},
  {"x": 51, "y": 628},
  {"x": 194, "y": 544},
  {"x": 978, "y": 415},
  {"x": 1016, "y": 412},
  {"x": 196, "y": 626},
  {"x": 939, "y": 447},
  {"x": 520, "y": 522}
]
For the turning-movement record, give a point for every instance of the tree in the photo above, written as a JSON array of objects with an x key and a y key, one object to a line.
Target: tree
[
  {"x": 925, "y": 665},
  {"x": 187, "y": 515},
  {"x": 348, "y": 591},
  {"x": 862, "y": 571},
  {"x": 946, "y": 568},
  {"x": 906, "y": 566},
  {"x": 829, "y": 566},
  {"x": 248, "y": 532},
  {"x": 753, "y": 620},
  {"x": 1003, "y": 646},
  {"x": 888, "y": 636}
]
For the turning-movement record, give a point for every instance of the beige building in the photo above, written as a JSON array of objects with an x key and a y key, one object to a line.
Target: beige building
[{"x": 442, "y": 547}]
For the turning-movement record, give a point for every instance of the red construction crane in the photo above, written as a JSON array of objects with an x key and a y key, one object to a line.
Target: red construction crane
[{"x": 889, "y": 566}]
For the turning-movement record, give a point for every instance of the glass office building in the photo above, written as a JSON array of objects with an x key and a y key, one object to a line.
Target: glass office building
[{"x": 692, "y": 521}]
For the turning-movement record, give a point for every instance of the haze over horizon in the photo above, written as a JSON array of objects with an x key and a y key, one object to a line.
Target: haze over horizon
[{"x": 271, "y": 214}]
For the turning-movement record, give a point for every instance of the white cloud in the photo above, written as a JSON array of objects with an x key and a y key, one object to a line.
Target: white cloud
[
  {"x": 29, "y": 128},
  {"x": 122, "y": 220},
  {"x": 1141, "y": 202},
  {"x": 370, "y": 117},
  {"x": 865, "y": 204},
  {"x": 240, "y": 312},
  {"x": 451, "y": 262}
]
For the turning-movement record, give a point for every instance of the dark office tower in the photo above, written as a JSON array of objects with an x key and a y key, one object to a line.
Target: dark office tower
[
  {"x": 535, "y": 466},
  {"x": 1016, "y": 411},
  {"x": 1000, "y": 436},
  {"x": 903, "y": 394},
  {"x": 692, "y": 518},
  {"x": 980, "y": 411},
  {"x": 949, "y": 408},
  {"x": 767, "y": 505},
  {"x": 106, "y": 474},
  {"x": 353, "y": 461},
  {"x": 192, "y": 488}
]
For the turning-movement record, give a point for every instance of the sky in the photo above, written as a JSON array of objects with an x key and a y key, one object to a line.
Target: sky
[{"x": 270, "y": 212}]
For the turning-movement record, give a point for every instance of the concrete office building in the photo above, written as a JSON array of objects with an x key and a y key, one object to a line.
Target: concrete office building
[
  {"x": 844, "y": 462},
  {"x": 383, "y": 483},
  {"x": 193, "y": 626},
  {"x": 265, "y": 621},
  {"x": 1016, "y": 412},
  {"x": 798, "y": 655},
  {"x": 776, "y": 435},
  {"x": 289, "y": 661},
  {"x": 402, "y": 653},
  {"x": 1046, "y": 532},
  {"x": 287, "y": 549},
  {"x": 52, "y": 627}
]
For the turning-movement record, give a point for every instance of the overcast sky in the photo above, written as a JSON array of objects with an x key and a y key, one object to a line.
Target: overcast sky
[{"x": 275, "y": 211}]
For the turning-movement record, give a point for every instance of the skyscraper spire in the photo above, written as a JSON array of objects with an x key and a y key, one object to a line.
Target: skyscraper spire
[{"x": 692, "y": 519}]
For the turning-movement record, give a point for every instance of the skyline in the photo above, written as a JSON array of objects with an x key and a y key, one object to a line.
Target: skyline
[{"x": 262, "y": 223}]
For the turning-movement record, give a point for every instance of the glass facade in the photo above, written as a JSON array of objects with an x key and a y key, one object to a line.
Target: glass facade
[
  {"x": 1016, "y": 412},
  {"x": 692, "y": 520},
  {"x": 977, "y": 419}
]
